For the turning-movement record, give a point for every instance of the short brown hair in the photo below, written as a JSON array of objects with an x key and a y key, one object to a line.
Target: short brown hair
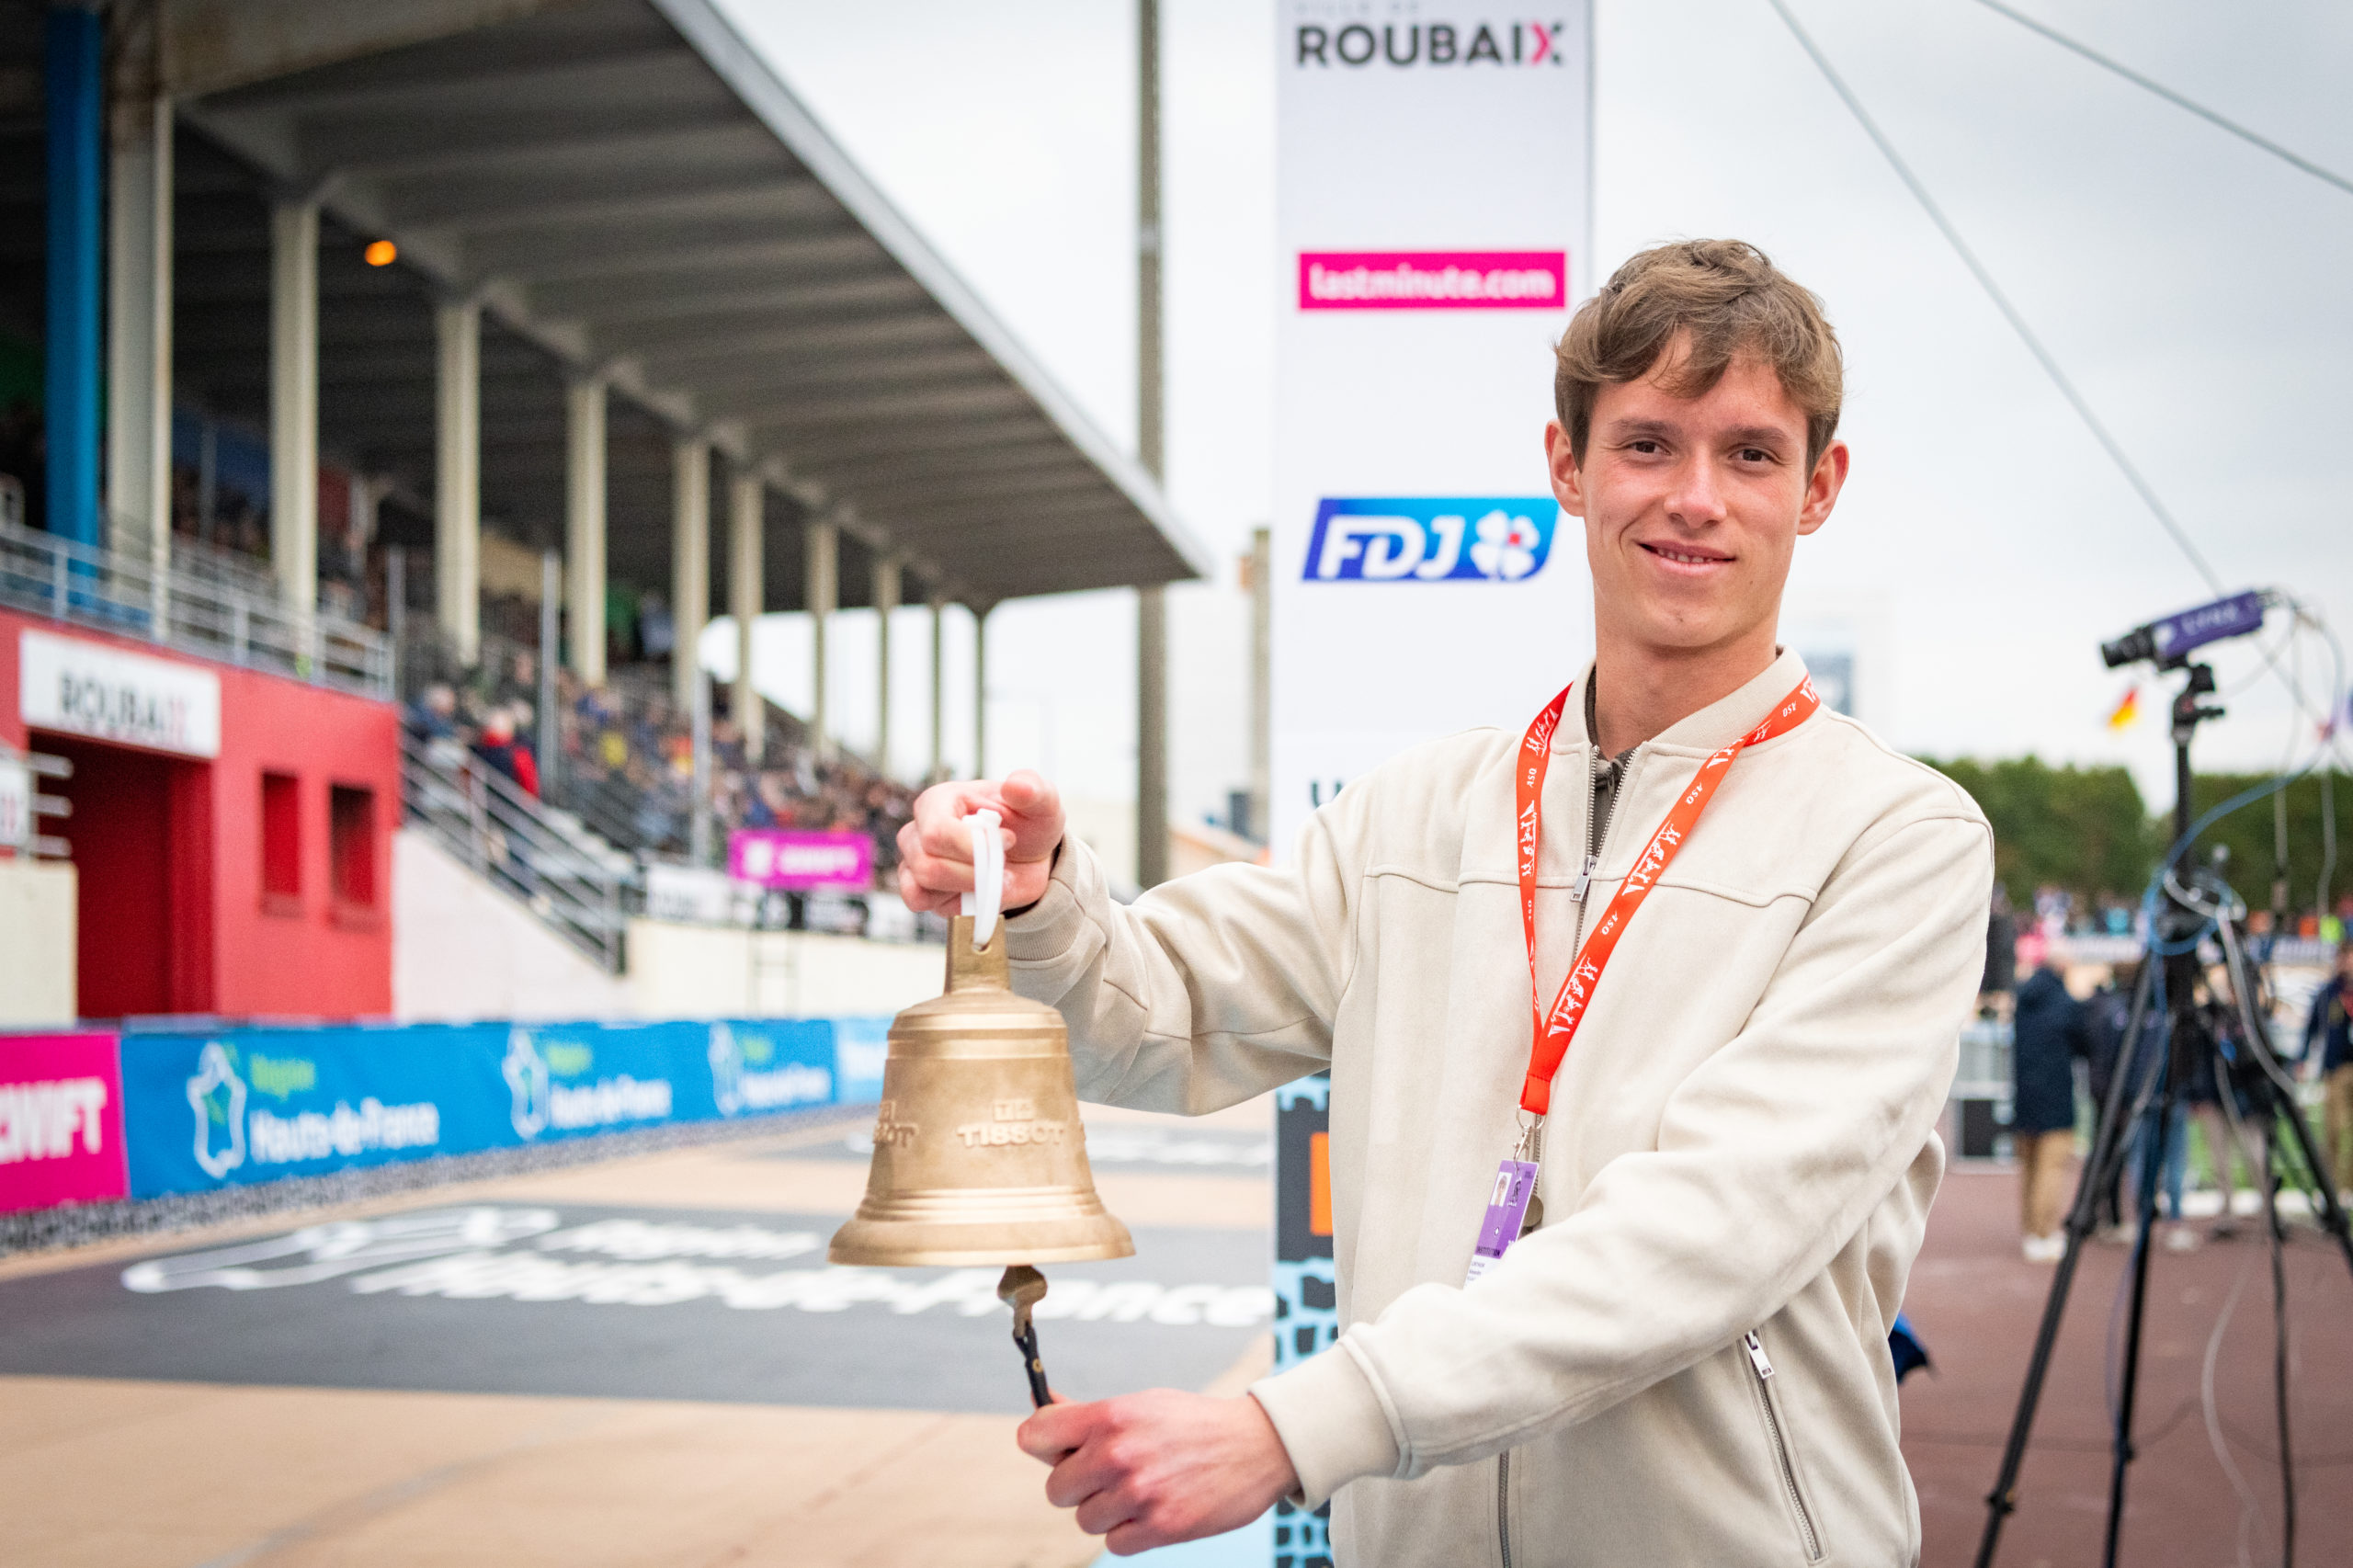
[{"x": 1732, "y": 302}]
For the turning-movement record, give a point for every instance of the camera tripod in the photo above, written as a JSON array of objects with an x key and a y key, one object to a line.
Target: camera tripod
[{"x": 2145, "y": 1096}]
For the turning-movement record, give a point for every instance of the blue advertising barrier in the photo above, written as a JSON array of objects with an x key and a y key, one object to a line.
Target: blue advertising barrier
[{"x": 206, "y": 1108}]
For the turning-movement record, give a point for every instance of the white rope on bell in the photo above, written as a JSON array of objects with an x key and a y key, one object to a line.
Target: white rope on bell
[{"x": 987, "y": 896}]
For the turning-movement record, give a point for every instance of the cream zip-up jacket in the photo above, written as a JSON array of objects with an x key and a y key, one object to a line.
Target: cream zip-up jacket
[{"x": 1742, "y": 1141}]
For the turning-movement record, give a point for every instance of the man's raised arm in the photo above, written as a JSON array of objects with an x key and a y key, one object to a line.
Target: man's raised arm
[{"x": 1206, "y": 991}]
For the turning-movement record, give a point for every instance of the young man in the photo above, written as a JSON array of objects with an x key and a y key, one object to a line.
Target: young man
[{"x": 1684, "y": 1358}]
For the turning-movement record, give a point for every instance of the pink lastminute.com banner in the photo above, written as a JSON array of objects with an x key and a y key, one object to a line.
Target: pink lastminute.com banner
[
  {"x": 1433, "y": 280},
  {"x": 61, "y": 1120}
]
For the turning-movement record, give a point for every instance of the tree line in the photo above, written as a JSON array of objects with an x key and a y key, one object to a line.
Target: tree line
[{"x": 2087, "y": 830}]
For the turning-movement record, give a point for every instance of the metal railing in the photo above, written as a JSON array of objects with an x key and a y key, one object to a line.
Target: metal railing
[
  {"x": 1983, "y": 1072},
  {"x": 579, "y": 888},
  {"x": 119, "y": 592}
]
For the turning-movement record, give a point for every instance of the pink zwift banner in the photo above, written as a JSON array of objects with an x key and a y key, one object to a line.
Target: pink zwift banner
[
  {"x": 785, "y": 858},
  {"x": 61, "y": 1120},
  {"x": 1433, "y": 280}
]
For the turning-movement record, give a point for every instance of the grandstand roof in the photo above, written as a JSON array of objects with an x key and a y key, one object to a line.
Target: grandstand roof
[{"x": 631, "y": 191}]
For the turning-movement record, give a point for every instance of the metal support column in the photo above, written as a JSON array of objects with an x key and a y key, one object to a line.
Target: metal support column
[
  {"x": 698, "y": 844},
  {"x": 457, "y": 480},
  {"x": 1152, "y": 736},
  {"x": 294, "y": 405},
  {"x": 938, "y": 689},
  {"x": 981, "y": 691},
  {"x": 690, "y": 562},
  {"x": 396, "y": 611},
  {"x": 549, "y": 737},
  {"x": 73, "y": 89},
  {"x": 1262, "y": 684},
  {"x": 746, "y": 583},
  {"x": 139, "y": 316},
  {"x": 584, "y": 511},
  {"x": 1152, "y": 602},
  {"x": 886, "y": 602},
  {"x": 822, "y": 585}
]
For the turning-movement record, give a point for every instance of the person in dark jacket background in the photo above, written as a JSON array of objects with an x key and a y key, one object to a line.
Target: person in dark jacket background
[
  {"x": 2330, "y": 1029},
  {"x": 2048, "y": 1031}
]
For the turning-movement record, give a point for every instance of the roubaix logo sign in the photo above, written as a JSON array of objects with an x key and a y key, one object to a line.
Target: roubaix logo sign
[
  {"x": 1433, "y": 280},
  {"x": 1406, "y": 45},
  {"x": 1425, "y": 539},
  {"x": 87, "y": 688}
]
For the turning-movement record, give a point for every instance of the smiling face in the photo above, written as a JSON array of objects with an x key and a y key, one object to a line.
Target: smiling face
[{"x": 1692, "y": 508}]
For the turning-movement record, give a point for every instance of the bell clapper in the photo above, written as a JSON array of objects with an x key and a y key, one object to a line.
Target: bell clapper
[{"x": 1022, "y": 1287}]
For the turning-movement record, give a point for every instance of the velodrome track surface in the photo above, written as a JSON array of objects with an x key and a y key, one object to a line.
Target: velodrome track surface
[
  {"x": 642, "y": 1361},
  {"x": 644, "y": 1390},
  {"x": 1976, "y": 1305}
]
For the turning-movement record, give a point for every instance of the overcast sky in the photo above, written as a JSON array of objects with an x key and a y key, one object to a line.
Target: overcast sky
[{"x": 2194, "y": 288}]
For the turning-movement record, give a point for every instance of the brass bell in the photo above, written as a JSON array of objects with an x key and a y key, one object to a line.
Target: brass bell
[{"x": 979, "y": 1153}]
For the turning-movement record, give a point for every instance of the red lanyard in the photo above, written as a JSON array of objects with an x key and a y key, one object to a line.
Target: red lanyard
[{"x": 1553, "y": 1033}]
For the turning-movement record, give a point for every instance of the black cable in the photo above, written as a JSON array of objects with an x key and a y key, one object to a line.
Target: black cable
[
  {"x": 2001, "y": 300},
  {"x": 2176, "y": 100},
  {"x": 2279, "y": 1342}
]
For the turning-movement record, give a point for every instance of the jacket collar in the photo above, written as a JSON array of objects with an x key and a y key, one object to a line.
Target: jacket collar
[{"x": 1713, "y": 727}]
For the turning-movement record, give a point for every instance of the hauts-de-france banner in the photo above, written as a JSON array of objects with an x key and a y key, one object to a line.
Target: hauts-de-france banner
[
  {"x": 227, "y": 1106},
  {"x": 1433, "y": 171}
]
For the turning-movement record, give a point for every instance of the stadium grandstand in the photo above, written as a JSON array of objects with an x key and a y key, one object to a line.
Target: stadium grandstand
[{"x": 404, "y": 386}]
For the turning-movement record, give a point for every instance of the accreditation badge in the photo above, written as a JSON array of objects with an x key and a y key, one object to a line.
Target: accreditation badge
[{"x": 1507, "y": 1214}]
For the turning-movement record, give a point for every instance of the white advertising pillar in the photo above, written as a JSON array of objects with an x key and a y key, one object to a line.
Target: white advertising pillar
[
  {"x": 1433, "y": 175},
  {"x": 690, "y": 564},
  {"x": 294, "y": 403},
  {"x": 583, "y": 529},
  {"x": 457, "y": 477},
  {"x": 746, "y": 584}
]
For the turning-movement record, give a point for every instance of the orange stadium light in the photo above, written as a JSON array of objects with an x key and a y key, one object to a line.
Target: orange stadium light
[{"x": 382, "y": 253}]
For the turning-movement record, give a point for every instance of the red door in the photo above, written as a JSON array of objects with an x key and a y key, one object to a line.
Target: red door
[{"x": 120, "y": 829}]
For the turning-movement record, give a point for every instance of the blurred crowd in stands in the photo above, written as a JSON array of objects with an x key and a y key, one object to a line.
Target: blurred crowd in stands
[{"x": 625, "y": 764}]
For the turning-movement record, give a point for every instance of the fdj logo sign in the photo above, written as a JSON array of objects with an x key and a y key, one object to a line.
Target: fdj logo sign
[{"x": 1449, "y": 539}]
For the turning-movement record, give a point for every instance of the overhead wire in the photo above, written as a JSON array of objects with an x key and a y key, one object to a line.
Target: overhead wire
[
  {"x": 2018, "y": 323},
  {"x": 2330, "y": 728},
  {"x": 2179, "y": 100}
]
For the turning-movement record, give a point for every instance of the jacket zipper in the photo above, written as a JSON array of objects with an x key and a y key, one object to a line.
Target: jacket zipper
[
  {"x": 1764, "y": 1366},
  {"x": 1597, "y": 824},
  {"x": 1595, "y": 828},
  {"x": 1503, "y": 1503}
]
